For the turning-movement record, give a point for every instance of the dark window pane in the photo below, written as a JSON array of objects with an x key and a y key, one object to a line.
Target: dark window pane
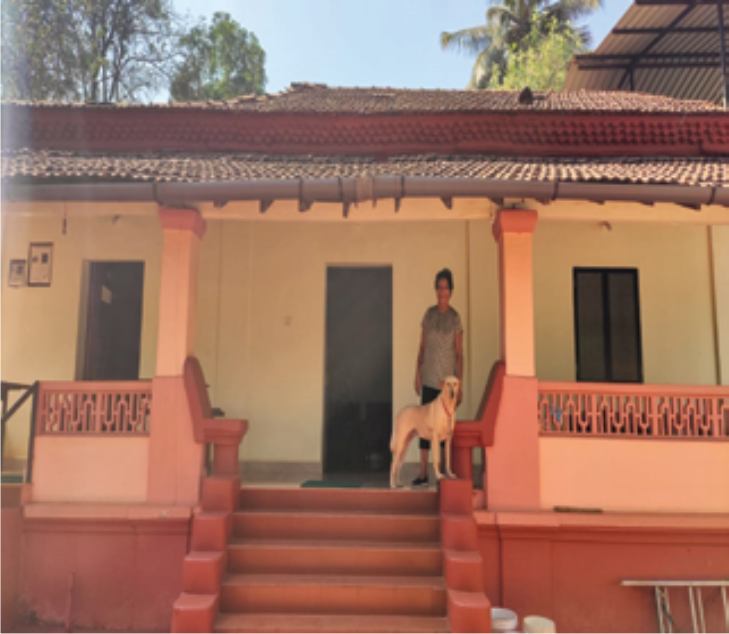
[
  {"x": 624, "y": 351},
  {"x": 590, "y": 327}
]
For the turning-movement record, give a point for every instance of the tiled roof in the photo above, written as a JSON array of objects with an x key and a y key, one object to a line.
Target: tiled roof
[
  {"x": 42, "y": 165},
  {"x": 320, "y": 99}
]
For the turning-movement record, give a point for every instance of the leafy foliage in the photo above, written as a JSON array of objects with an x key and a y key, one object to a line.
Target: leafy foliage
[
  {"x": 508, "y": 29},
  {"x": 221, "y": 60},
  {"x": 541, "y": 64},
  {"x": 91, "y": 50}
]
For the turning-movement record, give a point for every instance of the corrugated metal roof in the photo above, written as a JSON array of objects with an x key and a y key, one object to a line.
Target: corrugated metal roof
[{"x": 682, "y": 63}]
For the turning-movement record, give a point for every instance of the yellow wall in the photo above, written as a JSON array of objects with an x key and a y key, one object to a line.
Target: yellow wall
[
  {"x": 265, "y": 274},
  {"x": 40, "y": 325},
  {"x": 254, "y": 275},
  {"x": 675, "y": 295}
]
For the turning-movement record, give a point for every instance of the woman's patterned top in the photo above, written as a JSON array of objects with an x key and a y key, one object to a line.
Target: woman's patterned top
[{"x": 439, "y": 359}]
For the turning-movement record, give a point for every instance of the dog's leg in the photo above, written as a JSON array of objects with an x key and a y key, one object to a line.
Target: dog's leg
[
  {"x": 396, "y": 453},
  {"x": 393, "y": 470},
  {"x": 435, "y": 443},
  {"x": 403, "y": 453},
  {"x": 400, "y": 444},
  {"x": 449, "y": 474}
]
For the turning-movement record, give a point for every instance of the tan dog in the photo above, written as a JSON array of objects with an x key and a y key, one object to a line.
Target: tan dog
[{"x": 434, "y": 421}]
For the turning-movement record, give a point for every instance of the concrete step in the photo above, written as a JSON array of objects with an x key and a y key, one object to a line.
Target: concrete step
[
  {"x": 385, "y": 501},
  {"x": 335, "y": 557},
  {"x": 328, "y": 623},
  {"x": 334, "y": 594},
  {"x": 326, "y": 525}
]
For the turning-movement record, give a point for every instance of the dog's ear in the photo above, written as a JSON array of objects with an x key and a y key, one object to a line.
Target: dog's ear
[{"x": 441, "y": 384}]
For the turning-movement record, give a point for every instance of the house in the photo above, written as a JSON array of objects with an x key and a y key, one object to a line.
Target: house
[{"x": 282, "y": 249}]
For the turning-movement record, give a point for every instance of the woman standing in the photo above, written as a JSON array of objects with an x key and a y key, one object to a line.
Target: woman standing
[{"x": 440, "y": 355}]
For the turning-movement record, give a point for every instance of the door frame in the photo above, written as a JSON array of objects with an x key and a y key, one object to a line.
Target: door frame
[{"x": 351, "y": 265}]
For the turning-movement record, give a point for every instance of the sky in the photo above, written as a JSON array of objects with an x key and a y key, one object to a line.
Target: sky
[{"x": 388, "y": 43}]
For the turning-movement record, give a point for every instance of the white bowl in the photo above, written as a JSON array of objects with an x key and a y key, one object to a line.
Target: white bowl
[
  {"x": 503, "y": 620},
  {"x": 539, "y": 624}
]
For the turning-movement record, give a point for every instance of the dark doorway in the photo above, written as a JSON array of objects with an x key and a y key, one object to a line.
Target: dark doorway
[
  {"x": 113, "y": 321},
  {"x": 607, "y": 325},
  {"x": 358, "y": 387}
]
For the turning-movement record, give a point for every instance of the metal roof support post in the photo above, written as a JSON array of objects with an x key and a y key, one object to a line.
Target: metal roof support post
[{"x": 722, "y": 49}]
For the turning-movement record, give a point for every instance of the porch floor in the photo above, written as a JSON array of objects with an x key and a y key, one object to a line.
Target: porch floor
[{"x": 293, "y": 480}]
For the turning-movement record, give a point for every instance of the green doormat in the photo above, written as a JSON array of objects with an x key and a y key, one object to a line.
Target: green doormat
[{"x": 330, "y": 484}]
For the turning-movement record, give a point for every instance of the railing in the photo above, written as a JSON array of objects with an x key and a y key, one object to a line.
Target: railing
[
  {"x": 30, "y": 391},
  {"x": 119, "y": 408},
  {"x": 633, "y": 411}
]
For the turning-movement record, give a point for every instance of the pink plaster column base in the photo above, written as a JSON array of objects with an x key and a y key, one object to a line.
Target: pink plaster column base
[
  {"x": 464, "y": 570},
  {"x": 456, "y": 497},
  {"x": 469, "y": 612},
  {"x": 220, "y": 493},
  {"x": 194, "y": 613},
  {"x": 175, "y": 459},
  {"x": 468, "y": 608},
  {"x": 462, "y": 458},
  {"x": 202, "y": 572},
  {"x": 512, "y": 481},
  {"x": 211, "y": 531}
]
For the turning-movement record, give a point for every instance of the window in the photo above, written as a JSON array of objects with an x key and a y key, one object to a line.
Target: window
[{"x": 607, "y": 325}]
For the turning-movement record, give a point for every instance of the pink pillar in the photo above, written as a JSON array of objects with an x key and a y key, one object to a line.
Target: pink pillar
[
  {"x": 175, "y": 459},
  {"x": 512, "y": 479},
  {"x": 513, "y": 231}
]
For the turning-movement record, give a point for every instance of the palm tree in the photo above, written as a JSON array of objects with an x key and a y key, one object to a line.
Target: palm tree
[{"x": 508, "y": 24}]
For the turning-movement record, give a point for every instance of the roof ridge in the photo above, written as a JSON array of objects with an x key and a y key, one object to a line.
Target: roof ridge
[{"x": 305, "y": 97}]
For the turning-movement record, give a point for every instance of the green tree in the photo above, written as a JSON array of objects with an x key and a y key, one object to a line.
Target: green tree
[
  {"x": 541, "y": 64},
  {"x": 508, "y": 26},
  {"x": 92, "y": 50},
  {"x": 220, "y": 60}
]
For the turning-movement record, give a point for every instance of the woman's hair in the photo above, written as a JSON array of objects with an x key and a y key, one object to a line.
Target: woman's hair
[{"x": 446, "y": 275}]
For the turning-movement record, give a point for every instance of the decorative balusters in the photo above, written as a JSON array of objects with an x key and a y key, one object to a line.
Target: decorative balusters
[
  {"x": 84, "y": 407},
  {"x": 643, "y": 411}
]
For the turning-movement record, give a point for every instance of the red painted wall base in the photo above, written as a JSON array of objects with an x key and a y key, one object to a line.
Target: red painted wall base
[
  {"x": 127, "y": 571},
  {"x": 568, "y": 567},
  {"x": 12, "y": 527}
]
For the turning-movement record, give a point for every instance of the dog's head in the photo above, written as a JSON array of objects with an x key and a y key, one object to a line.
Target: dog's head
[{"x": 449, "y": 388}]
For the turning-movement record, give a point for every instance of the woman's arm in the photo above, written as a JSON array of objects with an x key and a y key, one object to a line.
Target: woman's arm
[
  {"x": 421, "y": 354},
  {"x": 459, "y": 361}
]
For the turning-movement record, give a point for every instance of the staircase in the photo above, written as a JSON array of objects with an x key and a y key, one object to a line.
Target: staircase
[{"x": 330, "y": 560}]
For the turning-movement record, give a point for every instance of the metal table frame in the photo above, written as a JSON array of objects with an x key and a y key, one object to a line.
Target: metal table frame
[{"x": 663, "y": 606}]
